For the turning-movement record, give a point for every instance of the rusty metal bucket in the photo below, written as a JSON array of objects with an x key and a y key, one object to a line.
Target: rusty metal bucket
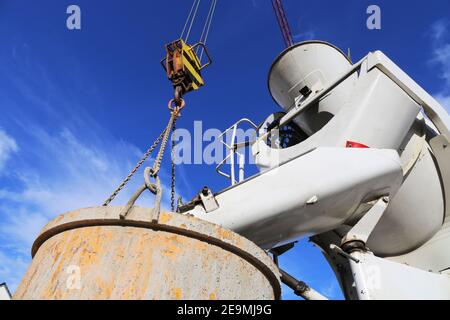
[{"x": 92, "y": 254}]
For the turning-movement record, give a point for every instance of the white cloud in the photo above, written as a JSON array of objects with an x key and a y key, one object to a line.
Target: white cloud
[
  {"x": 441, "y": 55},
  {"x": 70, "y": 162},
  {"x": 8, "y": 146},
  {"x": 444, "y": 100},
  {"x": 438, "y": 29},
  {"x": 441, "y": 58},
  {"x": 75, "y": 174},
  {"x": 12, "y": 268},
  {"x": 304, "y": 36}
]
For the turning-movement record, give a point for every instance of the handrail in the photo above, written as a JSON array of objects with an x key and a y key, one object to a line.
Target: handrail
[{"x": 233, "y": 147}]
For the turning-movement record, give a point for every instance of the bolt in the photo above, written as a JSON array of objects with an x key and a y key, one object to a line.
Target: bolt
[{"x": 312, "y": 200}]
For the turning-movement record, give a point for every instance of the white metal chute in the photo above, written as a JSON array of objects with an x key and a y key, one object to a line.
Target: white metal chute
[{"x": 272, "y": 208}]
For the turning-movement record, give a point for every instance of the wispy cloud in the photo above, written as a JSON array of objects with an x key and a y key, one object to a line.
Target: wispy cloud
[
  {"x": 303, "y": 36},
  {"x": 443, "y": 99},
  {"x": 255, "y": 3},
  {"x": 8, "y": 146},
  {"x": 438, "y": 29},
  {"x": 81, "y": 175},
  {"x": 12, "y": 268},
  {"x": 62, "y": 161},
  {"x": 441, "y": 58},
  {"x": 331, "y": 290}
]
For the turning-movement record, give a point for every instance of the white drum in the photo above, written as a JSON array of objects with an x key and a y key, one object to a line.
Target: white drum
[{"x": 306, "y": 68}]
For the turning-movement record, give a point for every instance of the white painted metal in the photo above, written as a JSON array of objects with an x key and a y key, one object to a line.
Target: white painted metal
[
  {"x": 362, "y": 119},
  {"x": 313, "y": 295},
  {"x": 415, "y": 214},
  {"x": 380, "y": 114},
  {"x": 377, "y": 59},
  {"x": 272, "y": 208},
  {"x": 315, "y": 65},
  {"x": 208, "y": 200},
  {"x": 441, "y": 150},
  {"x": 380, "y": 279},
  {"x": 365, "y": 226},
  {"x": 413, "y": 145},
  {"x": 433, "y": 256},
  {"x": 319, "y": 187},
  {"x": 437, "y": 114}
]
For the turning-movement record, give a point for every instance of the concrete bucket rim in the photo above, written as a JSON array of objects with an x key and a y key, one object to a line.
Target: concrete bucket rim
[{"x": 169, "y": 222}]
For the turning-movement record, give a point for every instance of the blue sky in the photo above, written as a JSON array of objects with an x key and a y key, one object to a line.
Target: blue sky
[{"x": 78, "y": 108}]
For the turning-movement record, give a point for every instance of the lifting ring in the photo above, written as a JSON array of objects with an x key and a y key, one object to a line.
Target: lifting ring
[
  {"x": 154, "y": 188},
  {"x": 175, "y": 106}
]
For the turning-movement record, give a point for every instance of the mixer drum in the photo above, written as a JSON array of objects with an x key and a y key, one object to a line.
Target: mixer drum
[
  {"x": 305, "y": 68},
  {"x": 92, "y": 254},
  {"x": 415, "y": 214}
]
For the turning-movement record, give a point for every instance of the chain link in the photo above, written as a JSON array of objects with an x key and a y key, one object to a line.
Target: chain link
[
  {"x": 172, "y": 194},
  {"x": 158, "y": 160},
  {"x": 136, "y": 168},
  {"x": 162, "y": 139}
]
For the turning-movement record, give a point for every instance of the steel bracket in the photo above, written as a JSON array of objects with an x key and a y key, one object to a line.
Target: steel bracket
[
  {"x": 361, "y": 231},
  {"x": 208, "y": 200},
  {"x": 441, "y": 149}
]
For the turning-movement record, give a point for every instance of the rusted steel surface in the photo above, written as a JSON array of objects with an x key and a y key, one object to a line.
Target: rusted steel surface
[{"x": 91, "y": 254}]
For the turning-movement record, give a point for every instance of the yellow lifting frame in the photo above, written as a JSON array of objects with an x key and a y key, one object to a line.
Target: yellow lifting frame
[{"x": 183, "y": 67}]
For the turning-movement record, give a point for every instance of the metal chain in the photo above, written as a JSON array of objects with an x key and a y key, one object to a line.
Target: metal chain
[
  {"x": 132, "y": 172},
  {"x": 172, "y": 195},
  {"x": 158, "y": 160},
  {"x": 162, "y": 139}
]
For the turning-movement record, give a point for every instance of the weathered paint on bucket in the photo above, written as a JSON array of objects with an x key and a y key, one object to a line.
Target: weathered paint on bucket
[{"x": 92, "y": 254}]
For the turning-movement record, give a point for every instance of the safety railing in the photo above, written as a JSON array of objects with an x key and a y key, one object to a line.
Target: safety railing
[{"x": 233, "y": 148}]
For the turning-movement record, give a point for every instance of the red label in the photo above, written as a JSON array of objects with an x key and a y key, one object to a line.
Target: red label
[{"x": 352, "y": 144}]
